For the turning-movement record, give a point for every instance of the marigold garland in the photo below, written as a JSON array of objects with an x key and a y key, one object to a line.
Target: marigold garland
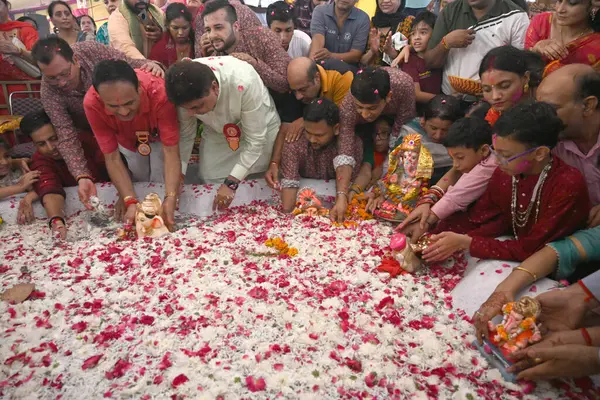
[{"x": 281, "y": 246}]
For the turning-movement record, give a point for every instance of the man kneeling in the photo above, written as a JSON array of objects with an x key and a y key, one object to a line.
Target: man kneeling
[
  {"x": 239, "y": 116},
  {"x": 313, "y": 156},
  {"x": 54, "y": 173}
]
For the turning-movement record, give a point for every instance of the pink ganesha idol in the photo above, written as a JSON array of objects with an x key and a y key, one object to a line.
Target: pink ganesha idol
[
  {"x": 148, "y": 222},
  {"x": 403, "y": 252},
  {"x": 518, "y": 328}
]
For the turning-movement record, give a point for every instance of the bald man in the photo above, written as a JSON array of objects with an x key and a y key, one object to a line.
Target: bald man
[
  {"x": 308, "y": 81},
  {"x": 574, "y": 91}
]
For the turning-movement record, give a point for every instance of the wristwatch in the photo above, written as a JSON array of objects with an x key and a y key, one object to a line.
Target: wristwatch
[{"x": 231, "y": 184}]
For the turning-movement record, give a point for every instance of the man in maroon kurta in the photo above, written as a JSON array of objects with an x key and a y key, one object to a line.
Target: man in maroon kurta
[
  {"x": 66, "y": 78},
  {"x": 54, "y": 172},
  {"x": 524, "y": 137}
]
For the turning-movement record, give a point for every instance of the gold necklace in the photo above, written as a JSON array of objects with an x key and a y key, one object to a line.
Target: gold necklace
[{"x": 586, "y": 30}]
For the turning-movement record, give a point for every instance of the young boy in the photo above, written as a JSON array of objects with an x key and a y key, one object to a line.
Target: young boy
[
  {"x": 15, "y": 176},
  {"x": 428, "y": 82},
  {"x": 54, "y": 174},
  {"x": 376, "y": 145},
  {"x": 532, "y": 195},
  {"x": 280, "y": 20}
]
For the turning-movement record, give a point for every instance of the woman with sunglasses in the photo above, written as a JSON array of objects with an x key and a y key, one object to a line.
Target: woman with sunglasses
[
  {"x": 532, "y": 195},
  {"x": 178, "y": 41}
]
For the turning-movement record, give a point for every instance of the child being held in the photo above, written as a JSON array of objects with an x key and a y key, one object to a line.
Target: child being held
[
  {"x": 428, "y": 82},
  {"x": 376, "y": 139},
  {"x": 15, "y": 176},
  {"x": 469, "y": 142}
]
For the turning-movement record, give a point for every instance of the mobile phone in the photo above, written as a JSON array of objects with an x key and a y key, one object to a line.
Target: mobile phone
[{"x": 145, "y": 18}]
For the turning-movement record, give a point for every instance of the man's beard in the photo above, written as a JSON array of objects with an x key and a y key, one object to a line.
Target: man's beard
[{"x": 139, "y": 6}]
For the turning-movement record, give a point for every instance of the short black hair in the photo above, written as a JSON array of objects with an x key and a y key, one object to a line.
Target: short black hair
[
  {"x": 322, "y": 109},
  {"x": 34, "y": 121},
  {"x": 279, "y": 11},
  {"x": 370, "y": 85},
  {"x": 425, "y": 16},
  {"x": 186, "y": 81},
  {"x": 471, "y": 133},
  {"x": 107, "y": 71},
  {"x": 177, "y": 10},
  {"x": 44, "y": 50},
  {"x": 25, "y": 18},
  {"x": 216, "y": 5},
  {"x": 510, "y": 59},
  {"x": 444, "y": 107},
  {"x": 533, "y": 124},
  {"x": 586, "y": 85},
  {"x": 53, "y": 5}
]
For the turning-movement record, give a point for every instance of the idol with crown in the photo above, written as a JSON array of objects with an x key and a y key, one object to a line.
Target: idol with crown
[{"x": 409, "y": 172}]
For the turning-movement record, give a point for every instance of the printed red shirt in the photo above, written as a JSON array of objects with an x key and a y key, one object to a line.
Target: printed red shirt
[
  {"x": 156, "y": 115},
  {"x": 564, "y": 209}
]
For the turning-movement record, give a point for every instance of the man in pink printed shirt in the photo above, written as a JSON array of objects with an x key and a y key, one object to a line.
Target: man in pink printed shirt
[
  {"x": 574, "y": 91},
  {"x": 468, "y": 143},
  {"x": 130, "y": 115},
  {"x": 66, "y": 77}
]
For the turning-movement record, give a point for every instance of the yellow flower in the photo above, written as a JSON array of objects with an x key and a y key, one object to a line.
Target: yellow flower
[
  {"x": 269, "y": 243},
  {"x": 292, "y": 251}
]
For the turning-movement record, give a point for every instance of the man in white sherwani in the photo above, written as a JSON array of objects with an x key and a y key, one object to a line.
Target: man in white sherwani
[{"x": 239, "y": 116}]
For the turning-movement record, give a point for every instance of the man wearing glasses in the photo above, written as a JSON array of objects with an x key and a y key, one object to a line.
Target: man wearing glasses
[{"x": 66, "y": 77}]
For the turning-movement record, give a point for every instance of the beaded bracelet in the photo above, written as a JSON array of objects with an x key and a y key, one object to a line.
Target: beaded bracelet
[{"x": 56, "y": 218}]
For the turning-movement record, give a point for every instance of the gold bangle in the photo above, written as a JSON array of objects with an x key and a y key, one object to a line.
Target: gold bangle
[
  {"x": 170, "y": 194},
  {"x": 126, "y": 198},
  {"x": 534, "y": 276}
]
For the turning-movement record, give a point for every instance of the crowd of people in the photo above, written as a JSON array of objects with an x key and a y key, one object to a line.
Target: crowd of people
[{"x": 470, "y": 120}]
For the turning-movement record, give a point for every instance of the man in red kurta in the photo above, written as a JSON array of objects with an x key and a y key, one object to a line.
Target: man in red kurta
[
  {"x": 533, "y": 195},
  {"x": 54, "y": 173},
  {"x": 130, "y": 114}
]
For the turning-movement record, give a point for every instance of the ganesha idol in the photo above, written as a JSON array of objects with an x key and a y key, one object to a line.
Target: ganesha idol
[
  {"x": 410, "y": 169},
  {"x": 518, "y": 328},
  {"x": 307, "y": 203},
  {"x": 148, "y": 222}
]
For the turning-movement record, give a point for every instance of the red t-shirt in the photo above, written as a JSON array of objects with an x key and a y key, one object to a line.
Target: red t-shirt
[
  {"x": 54, "y": 174},
  {"x": 156, "y": 116},
  {"x": 430, "y": 80}
]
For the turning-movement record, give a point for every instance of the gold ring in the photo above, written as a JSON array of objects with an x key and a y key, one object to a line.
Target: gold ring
[{"x": 537, "y": 360}]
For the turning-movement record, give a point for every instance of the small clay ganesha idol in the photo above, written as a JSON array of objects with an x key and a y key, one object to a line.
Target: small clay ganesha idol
[
  {"x": 518, "y": 328},
  {"x": 410, "y": 169},
  {"x": 307, "y": 203},
  {"x": 148, "y": 222},
  {"x": 403, "y": 252}
]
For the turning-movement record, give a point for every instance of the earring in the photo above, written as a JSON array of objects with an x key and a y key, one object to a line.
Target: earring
[{"x": 526, "y": 87}]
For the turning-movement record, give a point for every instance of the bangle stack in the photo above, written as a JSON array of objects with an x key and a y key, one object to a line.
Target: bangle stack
[
  {"x": 356, "y": 189},
  {"x": 170, "y": 194},
  {"x": 53, "y": 220},
  {"x": 129, "y": 200},
  {"x": 433, "y": 195}
]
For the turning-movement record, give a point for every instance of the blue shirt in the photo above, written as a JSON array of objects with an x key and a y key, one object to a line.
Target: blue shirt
[{"x": 353, "y": 35}]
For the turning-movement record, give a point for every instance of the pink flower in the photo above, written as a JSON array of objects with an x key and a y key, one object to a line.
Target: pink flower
[
  {"x": 147, "y": 320},
  {"x": 179, "y": 380},
  {"x": 79, "y": 327},
  {"x": 255, "y": 385},
  {"x": 240, "y": 88},
  {"x": 258, "y": 293},
  {"x": 165, "y": 362},
  {"x": 371, "y": 379},
  {"x": 354, "y": 365},
  {"x": 158, "y": 379},
  {"x": 533, "y": 289},
  {"x": 119, "y": 369},
  {"x": 91, "y": 362}
]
